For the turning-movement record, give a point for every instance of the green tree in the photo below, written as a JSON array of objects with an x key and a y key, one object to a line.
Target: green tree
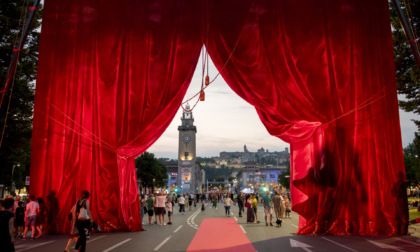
[
  {"x": 149, "y": 168},
  {"x": 407, "y": 70},
  {"x": 16, "y": 146},
  {"x": 284, "y": 178},
  {"x": 412, "y": 164}
]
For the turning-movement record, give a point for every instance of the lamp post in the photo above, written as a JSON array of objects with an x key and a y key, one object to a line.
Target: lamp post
[
  {"x": 13, "y": 181},
  {"x": 153, "y": 189}
]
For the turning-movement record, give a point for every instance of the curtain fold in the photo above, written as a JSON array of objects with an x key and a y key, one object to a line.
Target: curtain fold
[
  {"x": 321, "y": 77},
  {"x": 111, "y": 78}
]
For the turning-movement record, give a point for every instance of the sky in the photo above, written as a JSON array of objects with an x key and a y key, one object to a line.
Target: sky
[{"x": 225, "y": 122}]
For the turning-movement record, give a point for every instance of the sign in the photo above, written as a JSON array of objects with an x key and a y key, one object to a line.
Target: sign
[{"x": 27, "y": 180}]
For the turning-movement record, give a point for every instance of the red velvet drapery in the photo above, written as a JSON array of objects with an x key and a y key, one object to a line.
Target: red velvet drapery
[
  {"x": 319, "y": 73},
  {"x": 111, "y": 78},
  {"x": 321, "y": 77}
]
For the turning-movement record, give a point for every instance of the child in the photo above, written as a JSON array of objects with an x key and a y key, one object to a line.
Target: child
[
  {"x": 20, "y": 218},
  {"x": 203, "y": 207},
  {"x": 169, "y": 206}
]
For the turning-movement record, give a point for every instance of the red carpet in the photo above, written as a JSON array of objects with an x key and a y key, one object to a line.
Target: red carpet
[{"x": 220, "y": 235}]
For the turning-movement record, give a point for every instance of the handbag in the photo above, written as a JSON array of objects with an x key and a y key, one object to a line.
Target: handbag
[
  {"x": 83, "y": 213},
  {"x": 247, "y": 204}
]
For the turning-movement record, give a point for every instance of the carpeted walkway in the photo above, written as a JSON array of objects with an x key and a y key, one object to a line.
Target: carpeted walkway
[{"x": 220, "y": 235}]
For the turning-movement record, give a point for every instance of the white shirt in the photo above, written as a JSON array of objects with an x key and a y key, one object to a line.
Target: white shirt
[
  {"x": 181, "y": 200},
  {"x": 31, "y": 207},
  {"x": 227, "y": 201}
]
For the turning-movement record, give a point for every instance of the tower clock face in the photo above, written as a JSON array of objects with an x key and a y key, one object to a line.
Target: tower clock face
[{"x": 186, "y": 138}]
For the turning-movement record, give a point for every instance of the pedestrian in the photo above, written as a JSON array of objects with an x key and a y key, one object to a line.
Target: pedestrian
[
  {"x": 266, "y": 200},
  {"x": 249, "y": 211},
  {"x": 40, "y": 217},
  {"x": 7, "y": 229},
  {"x": 195, "y": 203},
  {"x": 227, "y": 203},
  {"x": 142, "y": 207},
  {"x": 283, "y": 207},
  {"x": 190, "y": 201},
  {"x": 19, "y": 219},
  {"x": 150, "y": 208},
  {"x": 215, "y": 201},
  {"x": 170, "y": 208},
  {"x": 74, "y": 234},
  {"x": 240, "y": 199},
  {"x": 84, "y": 219},
  {"x": 160, "y": 208},
  {"x": 181, "y": 203},
  {"x": 287, "y": 206},
  {"x": 254, "y": 206},
  {"x": 32, "y": 209},
  {"x": 277, "y": 205},
  {"x": 203, "y": 207}
]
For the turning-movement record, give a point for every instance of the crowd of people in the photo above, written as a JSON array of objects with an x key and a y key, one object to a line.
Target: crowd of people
[
  {"x": 21, "y": 216},
  {"x": 17, "y": 217},
  {"x": 158, "y": 204}
]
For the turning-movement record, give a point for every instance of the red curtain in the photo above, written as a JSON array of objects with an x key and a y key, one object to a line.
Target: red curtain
[
  {"x": 321, "y": 77},
  {"x": 319, "y": 73},
  {"x": 111, "y": 78}
]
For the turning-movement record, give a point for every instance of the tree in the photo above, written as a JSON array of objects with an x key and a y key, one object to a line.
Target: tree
[
  {"x": 412, "y": 164},
  {"x": 149, "y": 168},
  {"x": 407, "y": 70},
  {"x": 284, "y": 178},
  {"x": 16, "y": 146}
]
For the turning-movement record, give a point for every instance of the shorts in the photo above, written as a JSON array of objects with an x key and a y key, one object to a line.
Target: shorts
[
  {"x": 30, "y": 221},
  {"x": 267, "y": 210},
  {"x": 255, "y": 210},
  {"x": 150, "y": 212},
  {"x": 169, "y": 213},
  {"x": 160, "y": 210},
  {"x": 277, "y": 211}
]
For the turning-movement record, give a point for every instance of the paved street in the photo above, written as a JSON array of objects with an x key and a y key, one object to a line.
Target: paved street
[{"x": 178, "y": 236}]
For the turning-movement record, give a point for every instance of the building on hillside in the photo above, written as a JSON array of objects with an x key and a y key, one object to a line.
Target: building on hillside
[{"x": 262, "y": 156}]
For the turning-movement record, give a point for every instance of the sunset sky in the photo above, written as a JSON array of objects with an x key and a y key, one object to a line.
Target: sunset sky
[{"x": 225, "y": 122}]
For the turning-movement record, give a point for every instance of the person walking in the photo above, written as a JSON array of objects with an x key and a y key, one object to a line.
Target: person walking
[
  {"x": 266, "y": 200},
  {"x": 7, "y": 229},
  {"x": 142, "y": 207},
  {"x": 41, "y": 216},
  {"x": 170, "y": 208},
  {"x": 255, "y": 207},
  {"x": 287, "y": 207},
  {"x": 160, "y": 208},
  {"x": 203, "y": 207},
  {"x": 32, "y": 209},
  {"x": 181, "y": 203},
  {"x": 277, "y": 205},
  {"x": 19, "y": 219},
  {"x": 215, "y": 201},
  {"x": 190, "y": 201},
  {"x": 74, "y": 234},
  {"x": 84, "y": 219},
  {"x": 240, "y": 199},
  {"x": 249, "y": 211},
  {"x": 150, "y": 208},
  {"x": 227, "y": 203}
]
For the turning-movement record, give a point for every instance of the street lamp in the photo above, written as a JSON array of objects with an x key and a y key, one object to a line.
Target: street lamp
[
  {"x": 13, "y": 181},
  {"x": 153, "y": 190}
]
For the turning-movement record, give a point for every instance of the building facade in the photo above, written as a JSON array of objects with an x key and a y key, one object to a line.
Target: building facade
[{"x": 255, "y": 177}]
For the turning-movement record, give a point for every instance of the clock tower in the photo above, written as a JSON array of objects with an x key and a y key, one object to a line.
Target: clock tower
[{"x": 187, "y": 170}]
